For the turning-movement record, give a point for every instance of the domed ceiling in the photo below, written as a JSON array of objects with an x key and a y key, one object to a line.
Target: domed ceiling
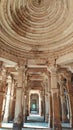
[{"x": 41, "y": 26}]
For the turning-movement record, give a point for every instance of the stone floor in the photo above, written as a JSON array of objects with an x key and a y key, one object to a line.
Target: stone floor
[
  {"x": 26, "y": 128},
  {"x": 35, "y": 123},
  {"x": 33, "y": 126}
]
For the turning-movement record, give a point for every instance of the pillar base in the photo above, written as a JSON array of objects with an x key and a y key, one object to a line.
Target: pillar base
[
  {"x": 50, "y": 122},
  {"x": 65, "y": 120},
  {"x": 5, "y": 120},
  {"x": 71, "y": 122},
  {"x": 46, "y": 117},
  {"x": 57, "y": 126}
]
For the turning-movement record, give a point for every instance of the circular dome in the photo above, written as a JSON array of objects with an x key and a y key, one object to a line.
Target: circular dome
[{"x": 41, "y": 25}]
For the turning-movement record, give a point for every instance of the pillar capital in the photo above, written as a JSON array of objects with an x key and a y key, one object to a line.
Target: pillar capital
[
  {"x": 9, "y": 79},
  {"x": 68, "y": 75},
  {"x": 52, "y": 69},
  {"x": 61, "y": 80},
  {"x": 20, "y": 68},
  {"x": 2, "y": 72},
  {"x": 22, "y": 63}
]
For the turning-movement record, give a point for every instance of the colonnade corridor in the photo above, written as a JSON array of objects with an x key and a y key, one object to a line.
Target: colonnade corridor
[
  {"x": 36, "y": 97},
  {"x": 36, "y": 64}
]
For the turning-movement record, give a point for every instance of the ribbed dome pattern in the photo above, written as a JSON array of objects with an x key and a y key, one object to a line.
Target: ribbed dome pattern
[{"x": 41, "y": 25}]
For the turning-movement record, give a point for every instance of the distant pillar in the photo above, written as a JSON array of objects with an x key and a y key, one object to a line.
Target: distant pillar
[
  {"x": 62, "y": 96},
  {"x": 1, "y": 103},
  {"x": 46, "y": 99},
  {"x": 39, "y": 104},
  {"x": 63, "y": 110},
  {"x": 7, "y": 106},
  {"x": 55, "y": 100},
  {"x": 70, "y": 92},
  {"x": 2, "y": 91},
  {"x": 50, "y": 118},
  {"x": 12, "y": 105}
]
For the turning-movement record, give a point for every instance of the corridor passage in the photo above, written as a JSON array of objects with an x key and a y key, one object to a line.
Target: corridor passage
[{"x": 36, "y": 121}]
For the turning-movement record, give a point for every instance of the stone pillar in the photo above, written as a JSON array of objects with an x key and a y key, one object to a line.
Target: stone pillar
[
  {"x": 46, "y": 100},
  {"x": 70, "y": 92},
  {"x": 55, "y": 100},
  {"x": 25, "y": 99},
  {"x": 1, "y": 99},
  {"x": 2, "y": 91},
  {"x": 2, "y": 88},
  {"x": 1, "y": 102},
  {"x": 7, "y": 106},
  {"x": 46, "y": 107},
  {"x": 11, "y": 113},
  {"x": 50, "y": 111},
  {"x": 62, "y": 96},
  {"x": 19, "y": 92},
  {"x": 39, "y": 104},
  {"x": 50, "y": 103}
]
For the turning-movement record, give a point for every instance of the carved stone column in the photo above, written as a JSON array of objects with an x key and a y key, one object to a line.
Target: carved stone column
[
  {"x": 1, "y": 102},
  {"x": 55, "y": 100},
  {"x": 19, "y": 94},
  {"x": 50, "y": 103},
  {"x": 62, "y": 96},
  {"x": 2, "y": 90},
  {"x": 6, "y": 114},
  {"x": 70, "y": 92},
  {"x": 46, "y": 99},
  {"x": 25, "y": 99},
  {"x": 11, "y": 113}
]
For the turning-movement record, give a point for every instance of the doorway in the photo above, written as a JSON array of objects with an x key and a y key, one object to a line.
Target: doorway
[{"x": 34, "y": 102}]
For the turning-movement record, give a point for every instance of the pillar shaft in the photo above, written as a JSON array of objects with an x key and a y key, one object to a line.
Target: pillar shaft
[
  {"x": 71, "y": 103},
  {"x": 19, "y": 92},
  {"x": 46, "y": 100},
  {"x": 18, "y": 105},
  {"x": 2, "y": 91},
  {"x": 64, "y": 116},
  {"x": 70, "y": 92},
  {"x": 50, "y": 111},
  {"x": 11, "y": 113},
  {"x": 7, "y": 106},
  {"x": 25, "y": 101},
  {"x": 55, "y": 100},
  {"x": 47, "y": 108},
  {"x": 1, "y": 103},
  {"x": 50, "y": 102},
  {"x": 62, "y": 96}
]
